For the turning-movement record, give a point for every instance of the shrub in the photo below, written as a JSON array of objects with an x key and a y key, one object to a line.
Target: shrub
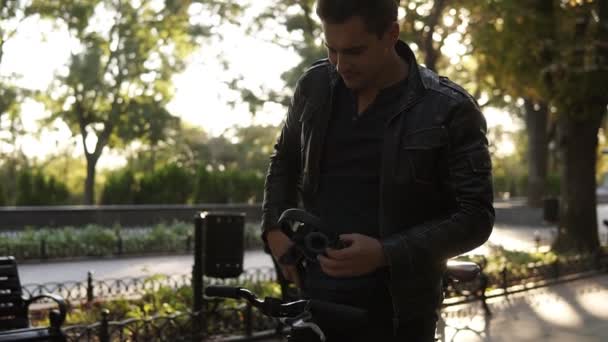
[{"x": 119, "y": 188}]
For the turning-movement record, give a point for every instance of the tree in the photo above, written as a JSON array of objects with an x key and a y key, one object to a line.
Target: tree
[
  {"x": 582, "y": 100},
  {"x": 117, "y": 85},
  {"x": 509, "y": 45},
  {"x": 554, "y": 53},
  {"x": 12, "y": 14}
]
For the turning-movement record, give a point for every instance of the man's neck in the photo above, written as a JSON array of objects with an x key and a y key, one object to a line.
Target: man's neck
[{"x": 397, "y": 70}]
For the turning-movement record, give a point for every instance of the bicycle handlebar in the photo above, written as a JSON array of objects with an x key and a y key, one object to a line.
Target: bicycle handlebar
[
  {"x": 225, "y": 292},
  {"x": 341, "y": 316}
]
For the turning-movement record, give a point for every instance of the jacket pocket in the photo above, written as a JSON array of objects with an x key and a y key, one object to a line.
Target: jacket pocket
[{"x": 420, "y": 154}]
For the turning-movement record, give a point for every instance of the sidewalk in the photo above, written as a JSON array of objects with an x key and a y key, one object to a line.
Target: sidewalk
[
  {"x": 568, "y": 312},
  {"x": 122, "y": 267}
]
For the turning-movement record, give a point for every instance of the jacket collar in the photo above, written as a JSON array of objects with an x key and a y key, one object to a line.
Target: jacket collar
[{"x": 415, "y": 87}]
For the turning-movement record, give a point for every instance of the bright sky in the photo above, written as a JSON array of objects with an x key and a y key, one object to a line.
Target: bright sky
[{"x": 39, "y": 51}]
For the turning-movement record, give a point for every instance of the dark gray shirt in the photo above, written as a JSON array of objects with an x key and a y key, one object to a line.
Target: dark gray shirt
[{"x": 348, "y": 197}]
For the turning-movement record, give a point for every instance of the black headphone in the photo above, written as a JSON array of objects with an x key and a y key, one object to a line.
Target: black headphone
[{"x": 305, "y": 231}]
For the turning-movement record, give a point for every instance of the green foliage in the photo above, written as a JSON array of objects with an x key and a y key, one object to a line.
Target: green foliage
[
  {"x": 232, "y": 186},
  {"x": 96, "y": 241},
  {"x": 120, "y": 188},
  {"x": 34, "y": 188},
  {"x": 517, "y": 185},
  {"x": 162, "y": 238},
  {"x": 299, "y": 20},
  {"x": 163, "y": 300},
  {"x": 211, "y": 187},
  {"x": 517, "y": 262},
  {"x": 170, "y": 184},
  {"x": 173, "y": 184},
  {"x": 118, "y": 86}
]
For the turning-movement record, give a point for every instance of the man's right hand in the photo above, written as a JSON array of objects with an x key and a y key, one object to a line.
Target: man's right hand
[{"x": 279, "y": 243}]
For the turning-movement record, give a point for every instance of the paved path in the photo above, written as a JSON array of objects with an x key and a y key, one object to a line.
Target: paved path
[
  {"x": 570, "y": 312},
  {"x": 121, "y": 267}
]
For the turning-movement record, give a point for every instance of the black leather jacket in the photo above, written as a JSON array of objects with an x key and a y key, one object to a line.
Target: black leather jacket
[{"x": 436, "y": 186}]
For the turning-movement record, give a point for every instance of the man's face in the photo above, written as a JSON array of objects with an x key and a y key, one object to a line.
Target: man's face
[{"x": 358, "y": 55}]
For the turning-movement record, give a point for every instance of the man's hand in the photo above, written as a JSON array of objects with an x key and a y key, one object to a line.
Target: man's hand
[
  {"x": 279, "y": 243},
  {"x": 363, "y": 255}
]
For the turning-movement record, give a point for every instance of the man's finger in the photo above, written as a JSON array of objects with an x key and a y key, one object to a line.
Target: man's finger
[
  {"x": 342, "y": 254},
  {"x": 334, "y": 268},
  {"x": 287, "y": 273},
  {"x": 291, "y": 274},
  {"x": 329, "y": 262},
  {"x": 349, "y": 238}
]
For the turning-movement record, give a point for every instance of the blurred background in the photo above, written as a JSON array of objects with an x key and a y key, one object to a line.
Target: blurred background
[
  {"x": 121, "y": 118},
  {"x": 180, "y": 102}
]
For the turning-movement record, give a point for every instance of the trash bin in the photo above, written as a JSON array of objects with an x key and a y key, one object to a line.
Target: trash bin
[{"x": 551, "y": 209}]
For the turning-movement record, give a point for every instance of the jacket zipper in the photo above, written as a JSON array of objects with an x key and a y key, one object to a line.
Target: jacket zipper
[{"x": 405, "y": 108}]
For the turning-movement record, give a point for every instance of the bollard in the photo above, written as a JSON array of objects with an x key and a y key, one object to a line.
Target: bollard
[
  {"x": 505, "y": 285},
  {"x": 104, "y": 328},
  {"x": 43, "y": 254},
  {"x": 119, "y": 247},
  {"x": 90, "y": 293},
  {"x": 249, "y": 320},
  {"x": 483, "y": 286},
  {"x": 198, "y": 270},
  {"x": 555, "y": 267}
]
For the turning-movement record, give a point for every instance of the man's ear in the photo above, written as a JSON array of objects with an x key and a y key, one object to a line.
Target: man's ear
[{"x": 393, "y": 32}]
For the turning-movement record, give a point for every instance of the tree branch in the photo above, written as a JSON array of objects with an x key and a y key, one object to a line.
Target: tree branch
[{"x": 431, "y": 54}]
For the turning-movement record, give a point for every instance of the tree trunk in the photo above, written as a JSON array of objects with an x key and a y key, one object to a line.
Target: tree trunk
[
  {"x": 578, "y": 216},
  {"x": 89, "y": 182},
  {"x": 536, "y": 116}
]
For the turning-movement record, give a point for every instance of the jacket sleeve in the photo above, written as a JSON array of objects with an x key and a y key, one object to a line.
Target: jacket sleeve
[
  {"x": 470, "y": 182},
  {"x": 280, "y": 188}
]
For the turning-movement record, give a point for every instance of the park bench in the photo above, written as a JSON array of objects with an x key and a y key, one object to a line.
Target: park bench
[{"x": 14, "y": 309}]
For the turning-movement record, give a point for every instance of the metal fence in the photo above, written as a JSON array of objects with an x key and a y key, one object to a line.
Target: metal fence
[
  {"x": 218, "y": 320},
  {"x": 90, "y": 290}
]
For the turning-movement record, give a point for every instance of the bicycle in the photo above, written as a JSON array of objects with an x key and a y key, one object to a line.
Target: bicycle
[
  {"x": 310, "y": 239},
  {"x": 300, "y": 316}
]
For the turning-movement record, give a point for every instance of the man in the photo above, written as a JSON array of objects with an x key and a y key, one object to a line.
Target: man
[{"x": 392, "y": 157}]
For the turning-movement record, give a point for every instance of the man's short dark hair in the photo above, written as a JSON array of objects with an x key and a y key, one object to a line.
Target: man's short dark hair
[{"x": 377, "y": 15}]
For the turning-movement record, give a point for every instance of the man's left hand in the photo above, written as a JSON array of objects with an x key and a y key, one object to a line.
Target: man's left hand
[{"x": 363, "y": 255}]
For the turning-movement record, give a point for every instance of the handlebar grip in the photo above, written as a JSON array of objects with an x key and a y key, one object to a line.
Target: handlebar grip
[
  {"x": 223, "y": 291},
  {"x": 299, "y": 215},
  {"x": 341, "y": 316}
]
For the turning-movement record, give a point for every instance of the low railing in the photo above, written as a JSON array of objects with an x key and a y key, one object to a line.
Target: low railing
[
  {"x": 218, "y": 320},
  {"x": 91, "y": 289}
]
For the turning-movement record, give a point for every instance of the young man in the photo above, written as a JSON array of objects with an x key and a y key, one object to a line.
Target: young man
[{"x": 392, "y": 157}]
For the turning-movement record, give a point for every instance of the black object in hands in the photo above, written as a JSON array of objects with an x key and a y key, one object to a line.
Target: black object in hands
[{"x": 305, "y": 231}]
